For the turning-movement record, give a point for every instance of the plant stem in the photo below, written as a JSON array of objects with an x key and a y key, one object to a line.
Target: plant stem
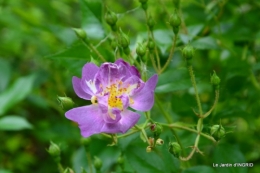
[
  {"x": 98, "y": 54},
  {"x": 193, "y": 81},
  {"x": 178, "y": 126},
  {"x": 214, "y": 104},
  {"x": 61, "y": 170},
  {"x": 171, "y": 54}
]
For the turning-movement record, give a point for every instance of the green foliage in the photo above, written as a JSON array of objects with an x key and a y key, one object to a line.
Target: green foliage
[{"x": 39, "y": 54}]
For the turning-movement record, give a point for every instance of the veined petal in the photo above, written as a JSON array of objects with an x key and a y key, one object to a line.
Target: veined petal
[
  {"x": 131, "y": 69},
  {"x": 144, "y": 99},
  {"x": 89, "y": 119},
  {"x": 128, "y": 120},
  {"x": 76, "y": 82}
]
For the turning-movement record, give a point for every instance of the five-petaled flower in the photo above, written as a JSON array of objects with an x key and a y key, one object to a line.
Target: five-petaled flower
[{"x": 112, "y": 88}]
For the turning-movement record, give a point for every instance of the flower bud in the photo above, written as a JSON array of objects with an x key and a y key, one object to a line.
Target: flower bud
[
  {"x": 217, "y": 131},
  {"x": 123, "y": 40},
  {"x": 215, "y": 80},
  {"x": 188, "y": 52},
  {"x": 111, "y": 18},
  {"x": 54, "y": 149},
  {"x": 97, "y": 163},
  {"x": 175, "y": 149},
  {"x": 156, "y": 129},
  {"x": 159, "y": 142},
  {"x": 65, "y": 102},
  {"x": 85, "y": 141},
  {"x": 150, "y": 22},
  {"x": 175, "y": 20},
  {"x": 81, "y": 34},
  {"x": 140, "y": 50},
  {"x": 149, "y": 149},
  {"x": 150, "y": 45}
]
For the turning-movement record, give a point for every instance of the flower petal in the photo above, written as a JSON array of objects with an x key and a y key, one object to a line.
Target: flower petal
[
  {"x": 128, "y": 120},
  {"x": 132, "y": 69},
  {"x": 144, "y": 99},
  {"x": 76, "y": 82},
  {"x": 89, "y": 119},
  {"x": 89, "y": 71}
]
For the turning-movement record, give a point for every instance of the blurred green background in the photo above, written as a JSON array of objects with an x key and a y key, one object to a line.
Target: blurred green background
[{"x": 39, "y": 54}]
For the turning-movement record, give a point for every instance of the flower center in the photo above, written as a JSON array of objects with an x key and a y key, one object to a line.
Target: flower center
[{"x": 114, "y": 100}]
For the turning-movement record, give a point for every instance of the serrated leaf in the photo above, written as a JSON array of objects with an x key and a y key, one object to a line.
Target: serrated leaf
[
  {"x": 173, "y": 80},
  {"x": 205, "y": 43},
  {"x": 91, "y": 18},
  {"x": 12, "y": 122},
  {"x": 16, "y": 93}
]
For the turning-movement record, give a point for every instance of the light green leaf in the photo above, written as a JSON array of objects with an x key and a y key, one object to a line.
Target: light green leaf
[
  {"x": 173, "y": 80},
  {"x": 16, "y": 93},
  {"x": 91, "y": 18},
  {"x": 205, "y": 43},
  {"x": 5, "y": 73},
  {"x": 12, "y": 122}
]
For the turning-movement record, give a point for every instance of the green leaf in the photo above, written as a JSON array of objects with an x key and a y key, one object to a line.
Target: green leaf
[
  {"x": 205, "y": 43},
  {"x": 73, "y": 58},
  {"x": 226, "y": 153},
  {"x": 173, "y": 80},
  {"x": 5, "y": 73},
  {"x": 197, "y": 169},
  {"x": 91, "y": 18},
  {"x": 16, "y": 93},
  {"x": 12, "y": 122}
]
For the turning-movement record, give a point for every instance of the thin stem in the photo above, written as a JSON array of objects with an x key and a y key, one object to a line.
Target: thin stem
[
  {"x": 171, "y": 54},
  {"x": 178, "y": 126},
  {"x": 156, "y": 52},
  {"x": 153, "y": 62},
  {"x": 214, "y": 104},
  {"x": 193, "y": 81},
  {"x": 98, "y": 54},
  {"x": 164, "y": 113},
  {"x": 89, "y": 162},
  {"x": 60, "y": 167}
]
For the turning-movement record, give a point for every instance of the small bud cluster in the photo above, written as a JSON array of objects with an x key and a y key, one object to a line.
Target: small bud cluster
[
  {"x": 81, "y": 34},
  {"x": 65, "y": 102},
  {"x": 155, "y": 141}
]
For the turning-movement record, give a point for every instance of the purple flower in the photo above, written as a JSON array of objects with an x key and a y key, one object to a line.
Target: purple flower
[{"x": 112, "y": 88}]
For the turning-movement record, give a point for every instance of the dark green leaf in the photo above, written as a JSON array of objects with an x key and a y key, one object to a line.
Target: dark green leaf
[
  {"x": 12, "y": 122},
  {"x": 16, "y": 93},
  {"x": 226, "y": 153}
]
